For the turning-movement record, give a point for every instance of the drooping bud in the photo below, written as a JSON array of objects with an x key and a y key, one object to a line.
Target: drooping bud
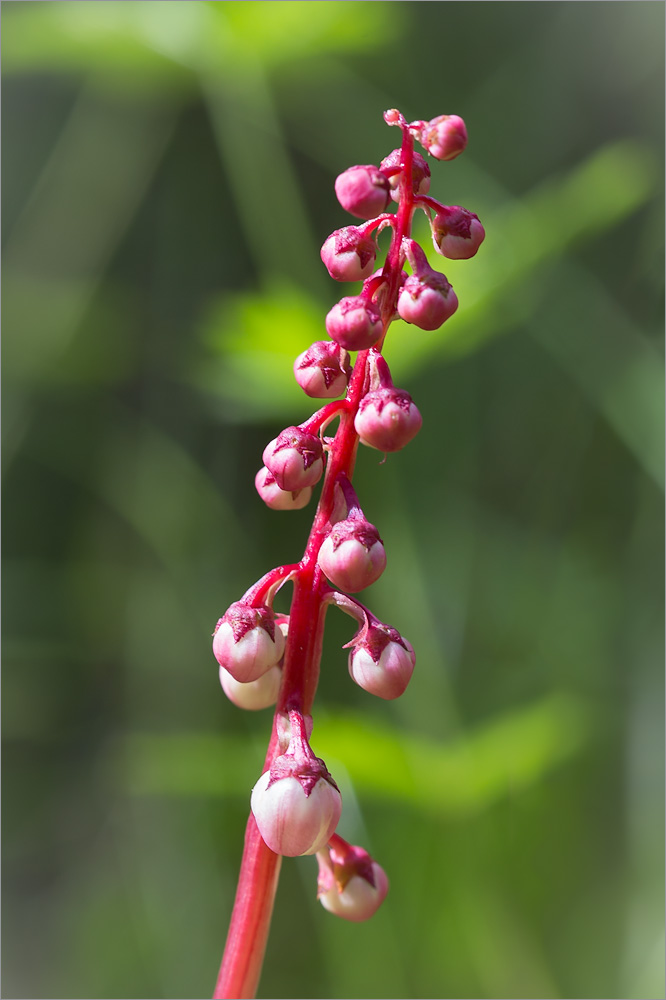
[
  {"x": 261, "y": 693},
  {"x": 296, "y": 803},
  {"x": 363, "y": 191},
  {"x": 247, "y": 642},
  {"x": 348, "y": 255},
  {"x": 445, "y": 137},
  {"x": 254, "y": 695},
  {"x": 352, "y": 555},
  {"x": 278, "y": 499},
  {"x": 391, "y": 166},
  {"x": 350, "y": 884},
  {"x": 324, "y": 370},
  {"x": 387, "y": 419},
  {"x": 427, "y": 300},
  {"x": 354, "y": 323},
  {"x": 457, "y": 233},
  {"x": 295, "y": 458},
  {"x": 382, "y": 662}
]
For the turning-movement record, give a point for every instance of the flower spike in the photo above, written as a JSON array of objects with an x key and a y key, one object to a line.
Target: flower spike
[{"x": 266, "y": 658}]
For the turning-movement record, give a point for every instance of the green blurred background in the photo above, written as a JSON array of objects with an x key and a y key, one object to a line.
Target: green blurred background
[{"x": 168, "y": 181}]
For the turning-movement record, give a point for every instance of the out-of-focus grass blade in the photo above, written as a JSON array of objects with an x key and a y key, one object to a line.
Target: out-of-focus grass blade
[{"x": 501, "y": 758}]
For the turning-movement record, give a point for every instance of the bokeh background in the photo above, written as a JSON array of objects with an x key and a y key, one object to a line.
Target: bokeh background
[{"x": 168, "y": 181}]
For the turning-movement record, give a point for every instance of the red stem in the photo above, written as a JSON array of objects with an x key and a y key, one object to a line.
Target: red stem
[{"x": 250, "y": 920}]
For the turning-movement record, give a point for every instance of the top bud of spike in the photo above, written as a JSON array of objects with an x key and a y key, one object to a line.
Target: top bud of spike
[{"x": 445, "y": 137}]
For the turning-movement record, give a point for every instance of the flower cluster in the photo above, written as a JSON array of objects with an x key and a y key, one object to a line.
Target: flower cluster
[{"x": 266, "y": 658}]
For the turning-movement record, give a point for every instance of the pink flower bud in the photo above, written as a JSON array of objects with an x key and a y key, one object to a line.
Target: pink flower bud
[
  {"x": 390, "y": 165},
  {"x": 387, "y": 419},
  {"x": 291, "y": 820},
  {"x": 383, "y": 662},
  {"x": 352, "y": 555},
  {"x": 254, "y": 695},
  {"x": 427, "y": 300},
  {"x": 350, "y": 884},
  {"x": 278, "y": 499},
  {"x": 349, "y": 255},
  {"x": 457, "y": 233},
  {"x": 354, "y": 323},
  {"x": 247, "y": 642},
  {"x": 363, "y": 191},
  {"x": 445, "y": 137},
  {"x": 296, "y": 803},
  {"x": 262, "y": 693},
  {"x": 295, "y": 458},
  {"x": 324, "y": 370}
]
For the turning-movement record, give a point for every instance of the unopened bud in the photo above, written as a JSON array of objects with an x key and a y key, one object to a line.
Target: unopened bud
[
  {"x": 324, "y": 370},
  {"x": 247, "y": 642},
  {"x": 363, "y": 191},
  {"x": 427, "y": 300},
  {"x": 387, "y": 419},
  {"x": 354, "y": 323},
  {"x": 391, "y": 166},
  {"x": 295, "y": 458},
  {"x": 350, "y": 884},
  {"x": 383, "y": 662},
  {"x": 278, "y": 499},
  {"x": 352, "y": 555},
  {"x": 348, "y": 255},
  {"x": 262, "y": 693},
  {"x": 296, "y": 803},
  {"x": 254, "y": 695},
  {"x": 445, "y": 137},
  {"x": 457, "y": 233}
]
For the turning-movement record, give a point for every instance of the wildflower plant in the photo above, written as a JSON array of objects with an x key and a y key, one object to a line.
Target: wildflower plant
[{"x": 266, "y": 658}]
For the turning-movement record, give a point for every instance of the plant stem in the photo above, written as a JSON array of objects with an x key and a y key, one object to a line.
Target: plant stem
[{"x": 251, "y": 918}]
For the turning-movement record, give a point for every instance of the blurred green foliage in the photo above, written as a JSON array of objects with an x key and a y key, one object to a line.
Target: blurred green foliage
[{"x": 168, "y": 180}]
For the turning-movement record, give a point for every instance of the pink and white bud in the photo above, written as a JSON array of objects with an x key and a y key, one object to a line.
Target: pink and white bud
[
  {"x": 363, "y": 191},
  {"x": 427, "y": 300},
  {"x": 247, "y": 642},
  {"x": 278, "y": 499},
  {"x": 387, "y": 419},
  {"x": 295, "y": 458},
  {"x": 262, "y": 693},
  {"x": 383, "y": 662},
  {"x": 354, "y": 323},
  {"x": 353, "y": 887},
  {"x": 391, "y": 166},
  {"x": 292, "y": 821},
  {"x": 254, "y": 695},
  {"x": 324, "y": 370},
  {"x": 445, "y": 137},
  {"x": 457, "y": 233},
  {"x": 296, "y": 803},
  {"x": 352, "y": 555},
  {"x": 348, "y": 255}
]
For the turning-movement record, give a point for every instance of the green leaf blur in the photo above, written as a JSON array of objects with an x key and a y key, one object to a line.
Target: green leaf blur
[{"x": 168, "y": 182}]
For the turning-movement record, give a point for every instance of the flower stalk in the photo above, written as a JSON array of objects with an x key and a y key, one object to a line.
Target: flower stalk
[{"x": 295, "y": 803}]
